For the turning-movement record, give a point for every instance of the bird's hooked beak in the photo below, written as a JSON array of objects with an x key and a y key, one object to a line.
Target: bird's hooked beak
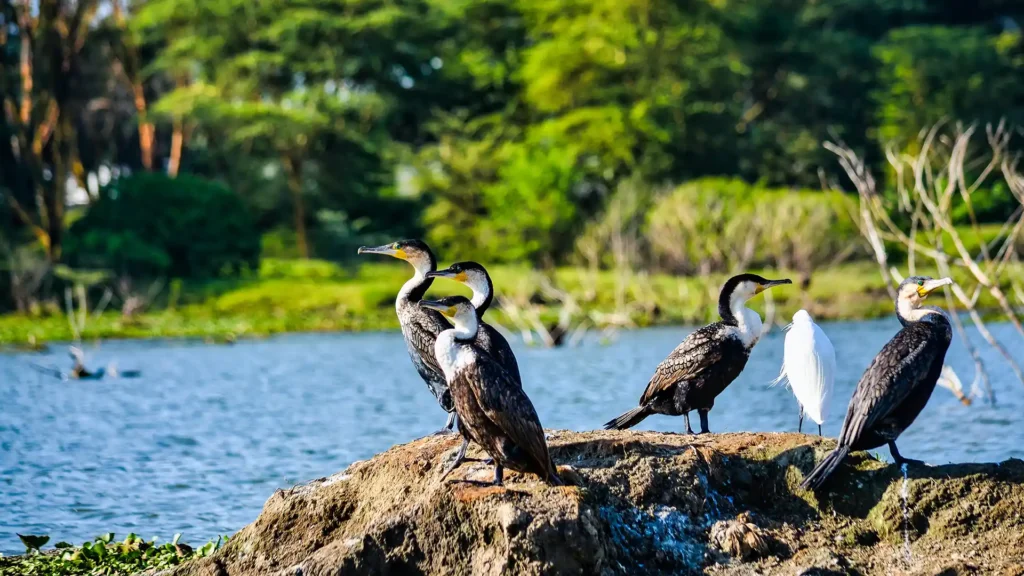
[
  {"x": 770, "y": 284},
  {"x": 387, "y": 249},
  {"x": 930, "y": 286},
  {"x": 446, "y": 311},
  {"x": 447, "y": 273}
]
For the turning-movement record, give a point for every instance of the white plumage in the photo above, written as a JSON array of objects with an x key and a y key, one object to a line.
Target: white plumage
[{"x": 809, "y": 365}]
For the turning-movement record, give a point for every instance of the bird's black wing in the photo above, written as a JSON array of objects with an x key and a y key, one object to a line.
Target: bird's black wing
[
  {"x": 494, "y": 343},
  {"x": 696, "y": 353},
  {"x": 888, "y": 381},
  {"x": 422, "y": 332},
  {"x": 505, "y": 404}
]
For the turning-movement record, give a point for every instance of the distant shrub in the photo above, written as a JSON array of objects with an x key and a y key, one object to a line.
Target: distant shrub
[
  {"x": 151, "y": 225},
  {"x": 725, "y": 225}
]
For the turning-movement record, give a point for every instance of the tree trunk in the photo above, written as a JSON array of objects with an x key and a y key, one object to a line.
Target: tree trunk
[
  {"x": 146, "y": 128},
  {"x": 177, "y": 143},
  {"x": 293, "y": 166}
]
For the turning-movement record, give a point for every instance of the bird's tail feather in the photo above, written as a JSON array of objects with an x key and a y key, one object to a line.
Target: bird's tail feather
[
  {"x": 628, "y": 419},
  {"x": 825, "y": 468}
]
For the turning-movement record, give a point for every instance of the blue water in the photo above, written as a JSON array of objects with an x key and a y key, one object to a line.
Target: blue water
[{"x": 210, "y": 431}]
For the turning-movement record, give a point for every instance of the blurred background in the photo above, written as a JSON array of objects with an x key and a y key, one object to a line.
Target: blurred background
[
  {"x": 207, "y": 169},
  {"x": 212, "y": 160}
]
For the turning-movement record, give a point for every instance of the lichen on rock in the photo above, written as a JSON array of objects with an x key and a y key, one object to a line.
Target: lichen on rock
[{"x": 638, "y": 503}]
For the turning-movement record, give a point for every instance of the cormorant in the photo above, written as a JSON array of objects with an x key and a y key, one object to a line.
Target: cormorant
[
  {"x": 488, "y": 338},
  {"x": 420, "y": 326},
  {"x": 809, "y": 366},
  {"x": 493, "y": 410},
  {"x": 896, "y": 386},
  {"x": 706, "y": 361}
]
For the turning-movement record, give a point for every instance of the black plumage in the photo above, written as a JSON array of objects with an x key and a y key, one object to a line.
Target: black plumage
[
  {"x": 706, "y": 362},
  {"x": 495, "y": 413},
  {"x": 896, "y": 386},
  {"x": 488, "y": 338},
  {"x": 420, "y": 326},
  {"x": 493, "y": 409}
]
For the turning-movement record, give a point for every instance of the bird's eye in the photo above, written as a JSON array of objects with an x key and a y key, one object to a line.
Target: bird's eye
[{"x": 920, "y": 282}]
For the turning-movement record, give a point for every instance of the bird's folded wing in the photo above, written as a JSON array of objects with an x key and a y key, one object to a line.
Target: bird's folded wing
[
  {"x": 505, "y": 404},
  {"x": 886, "y": 384},
  {"x": 696, "y": 353},
  {"x": 422, "y": 334}
]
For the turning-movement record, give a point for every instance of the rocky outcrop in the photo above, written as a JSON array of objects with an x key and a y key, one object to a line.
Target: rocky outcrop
[{"x": 642, "y": 503}]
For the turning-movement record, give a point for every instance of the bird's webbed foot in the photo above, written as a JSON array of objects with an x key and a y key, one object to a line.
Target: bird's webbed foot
[
  {"x": 909, "y": 462},
  {"x": 460, "y": 456},
  {"x": 899, "y": 459}
]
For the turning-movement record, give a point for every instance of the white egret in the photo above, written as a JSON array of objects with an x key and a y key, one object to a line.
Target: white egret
[{"x": 809, "y": 366}]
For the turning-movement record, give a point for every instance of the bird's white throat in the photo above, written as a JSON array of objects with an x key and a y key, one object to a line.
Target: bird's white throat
[
  {"x": 410, "y": 285},
  {"x": 748, "y": 322},
  {"x": 451, "y": 354},
  {"x": 915, "y": 312},
  {"x": 420, "y": 268},
  {"x": 478, "y": 284}
]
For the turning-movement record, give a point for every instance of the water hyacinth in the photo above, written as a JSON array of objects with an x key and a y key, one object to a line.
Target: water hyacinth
[{"x": 102, "y": 555}]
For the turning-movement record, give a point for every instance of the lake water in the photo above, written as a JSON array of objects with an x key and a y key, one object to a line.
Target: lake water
[{"x": 210, "y": 431}]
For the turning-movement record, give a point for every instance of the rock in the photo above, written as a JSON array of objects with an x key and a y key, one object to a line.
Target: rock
[
  {"x": 739, "y": 538},
  {"x": 636, "y": 503}
]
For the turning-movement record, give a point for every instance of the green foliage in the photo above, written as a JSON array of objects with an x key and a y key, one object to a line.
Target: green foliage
[
  {"x": 715, "y": 225},
  {"x": 103, "y": 555},
  {"x": 934, "y": 73},
  {"x": 152, "y": 225},
  {"x": 498, "y": 197}
]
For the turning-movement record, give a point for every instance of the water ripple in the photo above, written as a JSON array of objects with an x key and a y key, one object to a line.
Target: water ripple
[{"x": 199, "y": 443}]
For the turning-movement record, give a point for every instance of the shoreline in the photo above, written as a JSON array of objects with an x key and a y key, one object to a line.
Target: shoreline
[{"x": 320, "y": 297}]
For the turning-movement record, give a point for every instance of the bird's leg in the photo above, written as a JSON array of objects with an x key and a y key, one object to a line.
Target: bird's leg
[
  {"x": 819, "y": 430},
  {"x": 703, "y": 421},
  {"x": 900, "y": 460},
  {"x": 448, "y": 426},
  {"x": 800, "y": 426},
  {"x": 459, "y": 457},
  {"x": 689, "y": 430},
  {"x": 499, "y": 473}
]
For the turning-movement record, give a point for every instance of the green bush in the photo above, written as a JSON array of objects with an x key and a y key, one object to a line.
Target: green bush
[
  {"x": 153, "y": 225},
  {"x": 724, "y": 225}
]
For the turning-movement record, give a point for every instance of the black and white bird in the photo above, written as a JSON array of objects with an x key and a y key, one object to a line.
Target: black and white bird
[
  {"x": 899, "y": 381},
  {"x": 707, "y": 360},
  {"x": 420, "y": 326},
  {"x": 809, "y": 367},
  {"x": 494, "y": 412},
  {"x": 488, "y": 338}
]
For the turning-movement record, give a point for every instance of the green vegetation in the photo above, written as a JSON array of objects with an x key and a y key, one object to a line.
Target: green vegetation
[
  {"x": 179, "y": 141},
  {"x": 103, "y": 555},
  {"x": 150, "y": 225},
  {"x": 308, "y": 296}
]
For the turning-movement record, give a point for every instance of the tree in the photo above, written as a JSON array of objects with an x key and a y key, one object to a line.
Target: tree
[
  {"x": 930, "y": 74},
  {"x": 41, "y": 103}
]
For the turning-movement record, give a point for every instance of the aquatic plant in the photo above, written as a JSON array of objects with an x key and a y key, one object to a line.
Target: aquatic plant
[{"x": 102, "y": 555}]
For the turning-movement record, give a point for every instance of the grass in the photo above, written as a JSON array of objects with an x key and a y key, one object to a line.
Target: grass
[
  {"x": 103, "y": 555},
  {"x": 301, "y": 296}
]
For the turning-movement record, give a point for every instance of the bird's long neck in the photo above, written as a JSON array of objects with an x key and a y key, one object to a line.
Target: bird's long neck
[
  {"x": 909, "y": 313},
  {"x": 414, "y": 288},
  {"x": 732, "y": 307},
  {"x": 483, "y": 294},
  {"x": 465, "y": 328}
]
